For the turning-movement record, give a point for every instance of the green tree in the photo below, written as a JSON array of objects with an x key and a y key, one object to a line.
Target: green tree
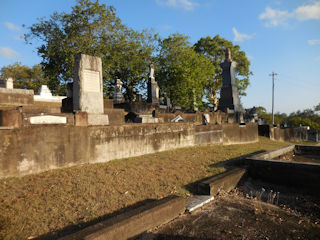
[
  {"x": 24, "y": 76},
  {"x": 214, "y": 48},
  {"x": 182, "y": 73},
  {"x": 91, "y": 28}
]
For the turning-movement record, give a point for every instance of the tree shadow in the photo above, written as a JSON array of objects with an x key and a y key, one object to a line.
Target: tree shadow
[{"x": 82, "y": 225}]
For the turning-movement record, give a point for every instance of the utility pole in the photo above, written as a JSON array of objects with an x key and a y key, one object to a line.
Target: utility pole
[{"x": 273, "y": 74}]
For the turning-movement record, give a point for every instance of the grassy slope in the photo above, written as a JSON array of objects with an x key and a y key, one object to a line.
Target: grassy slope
[{"x": 38, "y": 204}]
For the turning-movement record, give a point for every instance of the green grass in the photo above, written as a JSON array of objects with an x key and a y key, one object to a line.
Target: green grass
[{"x": 39, "y": 204}]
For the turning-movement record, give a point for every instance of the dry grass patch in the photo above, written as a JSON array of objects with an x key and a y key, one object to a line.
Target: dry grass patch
[{"x": 45, "y": 203}]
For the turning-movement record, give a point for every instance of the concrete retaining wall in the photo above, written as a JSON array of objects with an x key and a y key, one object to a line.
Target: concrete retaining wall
[
  {"x": 293, "y": 174},
  {"x": 284, "y": 134},
  {"x": 239, "y": 134},
  {"x": 34, "y": 149}
]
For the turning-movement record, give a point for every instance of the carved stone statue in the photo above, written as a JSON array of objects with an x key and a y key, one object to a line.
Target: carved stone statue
[
  {"x": 119, "y": 85},
  {"x": 117, "y": 95},
  {"x": 151, "y": 71},
  {"x": 228, "y": 55},
  {"x": 153, "y": 88}
]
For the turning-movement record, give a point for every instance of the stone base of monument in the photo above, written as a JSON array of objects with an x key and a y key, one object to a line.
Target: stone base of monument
[
  {"x": 16, "y": 97},
  {"x": 98, "y": 119},
  {"x": 147, "y": 118}
]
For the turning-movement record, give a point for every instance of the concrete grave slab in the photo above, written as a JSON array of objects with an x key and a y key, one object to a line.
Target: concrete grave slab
[
  {"x": 48, "y": 119},
  {"x": 198, "y": 201}
]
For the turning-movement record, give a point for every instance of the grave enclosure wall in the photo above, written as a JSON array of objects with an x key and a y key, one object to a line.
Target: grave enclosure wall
[{"x": 35, "y": 149}]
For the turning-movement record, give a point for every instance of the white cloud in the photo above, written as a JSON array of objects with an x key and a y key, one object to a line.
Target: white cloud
[
  {"x": 240, "y": 37},
  {"x": 318, "y": 59},
  {"x": 314, "y": 42},
  {"x": 275, "y": 17},
  {"x": 11, "y": 26},
  {"x": 187, "y": 5},
  {"x": 308, "y": 12},
  {"x": 8, "y": 52}
]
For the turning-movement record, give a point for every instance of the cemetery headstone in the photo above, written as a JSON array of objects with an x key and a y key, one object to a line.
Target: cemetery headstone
[
  {"x": 44, "y": 91},
  {"x": 6, "y": 83},
  {"x": 88, "y": 89},
  {"x": 87, "y": 85},
  {"x": 153, "y": 88}
]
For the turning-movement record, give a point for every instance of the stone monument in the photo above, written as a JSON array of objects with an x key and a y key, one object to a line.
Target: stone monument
[
  {"x": 44, "y": 91},
  {"x": 118, "y": 96},
  {"x": 229, "y": 97},
  {"x": 153, "y": 88},
  {"x": 88, "y": 89},
  {"x": 7, "y": 83}
]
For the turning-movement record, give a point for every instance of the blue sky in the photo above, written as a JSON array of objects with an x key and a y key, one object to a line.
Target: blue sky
[{"x": 278, "y": 35}]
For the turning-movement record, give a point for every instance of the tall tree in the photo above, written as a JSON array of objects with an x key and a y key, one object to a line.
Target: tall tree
[
  {"x": 91, "y": 28},
  {"x": 214, "y": 48},
  {"x": 24, "y": 76},
  {"x": 182, "y": 73}
]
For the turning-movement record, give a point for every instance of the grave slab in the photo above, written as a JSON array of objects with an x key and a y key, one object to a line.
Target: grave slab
[{"x": 48, "y": 119}]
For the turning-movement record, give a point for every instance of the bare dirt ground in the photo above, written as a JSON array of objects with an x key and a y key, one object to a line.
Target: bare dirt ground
[{"x": 256, "y": 210}]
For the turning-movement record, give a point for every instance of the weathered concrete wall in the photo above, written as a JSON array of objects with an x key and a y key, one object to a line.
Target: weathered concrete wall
[
  {"x": 239, "y": 134},
  {"x": 208, "y": 134},
  {"x": 283, "y": 134},
  {"x": 34, "y": 149},
  {"x": 116, "y": 116},
  {"x": 40, "y": 148}
]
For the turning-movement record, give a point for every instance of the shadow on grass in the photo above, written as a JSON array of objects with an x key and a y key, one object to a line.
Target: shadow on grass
[
  {"x": 192, "y": 188},
  {"x": 227, "y": 164},
  {"x": 77, "y": 227}
]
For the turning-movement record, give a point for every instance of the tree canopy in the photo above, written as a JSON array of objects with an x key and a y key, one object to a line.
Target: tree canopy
[
  {"x": 24, "y": 76},
  {"x": 186, "y": 73},
  {"x": 214, "y": 49},
  {"x": 183, "y": 73},
  {"x": 307, "y": 117},
  {"x": 94, "y": 29}
]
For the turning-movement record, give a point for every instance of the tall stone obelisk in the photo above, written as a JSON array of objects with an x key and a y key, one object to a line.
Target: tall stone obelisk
[{"x": 229, "y": 97}]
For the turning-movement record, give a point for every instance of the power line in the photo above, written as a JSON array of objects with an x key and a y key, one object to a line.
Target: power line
[{"x": 273, "y": 74}]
